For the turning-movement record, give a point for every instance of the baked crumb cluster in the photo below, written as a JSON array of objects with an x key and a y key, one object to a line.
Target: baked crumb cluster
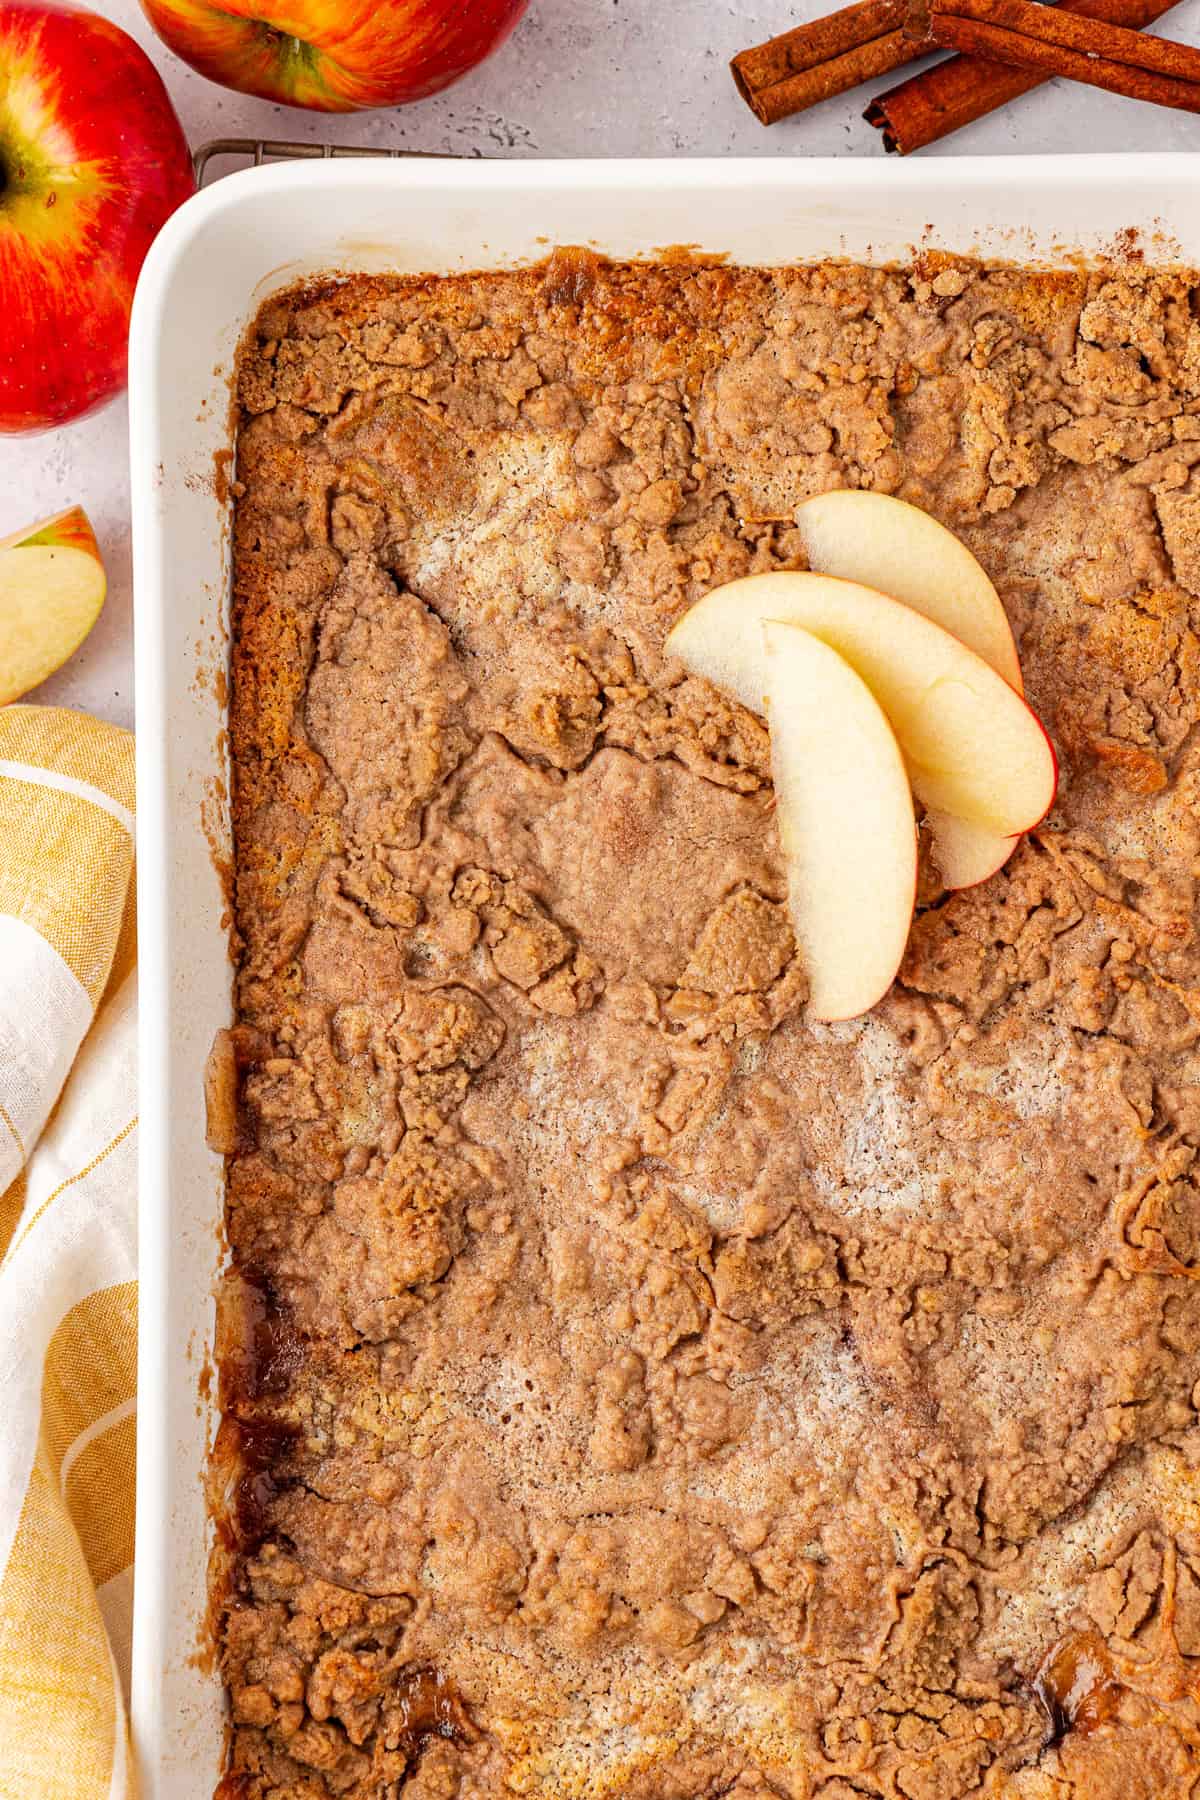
[{"x": 640, "y": 1392}]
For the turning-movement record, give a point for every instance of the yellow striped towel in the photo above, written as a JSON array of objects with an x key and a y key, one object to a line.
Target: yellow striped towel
[{"x": 68, "y": 1297}]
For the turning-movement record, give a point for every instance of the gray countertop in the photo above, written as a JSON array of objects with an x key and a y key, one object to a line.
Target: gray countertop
[{"x": 578, "y": 78}]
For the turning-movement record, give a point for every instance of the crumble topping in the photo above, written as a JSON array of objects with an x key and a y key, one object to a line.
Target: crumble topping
[{"x": 632, "y": 1389}]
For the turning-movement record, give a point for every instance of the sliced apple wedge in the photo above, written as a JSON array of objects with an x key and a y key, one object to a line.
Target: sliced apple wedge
[
  {"x": 845, "y": 822},
  {"x": 964, "y": 854},
  {"x": 52, "y": 586},
  {"x": 887, "y": 544},
  {"x": 972, "y": 746}
]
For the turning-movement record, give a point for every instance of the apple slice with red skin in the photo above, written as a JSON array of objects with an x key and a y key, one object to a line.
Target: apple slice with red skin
[
  {"x": 964, "y": 853},
  {"x": 846, "y": 824},
  {"x": 52, "y": 587},
  {"x": 887, "y": 544},
  {"x": 92, "y": 161},
  {"x": 334, "y": 55},
  {"x": 971, "y": 744}
]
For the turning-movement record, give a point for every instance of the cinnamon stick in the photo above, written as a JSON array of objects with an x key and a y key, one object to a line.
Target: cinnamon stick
[
  {"x": 962, "y": 89},
  {"x": 1030, "y": 36},
  {"x": 825, "y": 57}
]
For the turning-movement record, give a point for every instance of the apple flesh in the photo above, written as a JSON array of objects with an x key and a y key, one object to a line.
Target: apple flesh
[
  {"x": 334, "y": 55},
  {"x": 886, "y": 544},
  {"x": 52, "y": 586},
  {"x": 964, "y": 854},
  {"x": 92, "y": 161},
  {"x": 845, "y": 819},
  {"x": 972, "y": 746}
]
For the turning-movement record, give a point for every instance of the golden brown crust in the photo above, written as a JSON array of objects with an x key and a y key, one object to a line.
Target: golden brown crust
[{"x": 640, "y": 1391}]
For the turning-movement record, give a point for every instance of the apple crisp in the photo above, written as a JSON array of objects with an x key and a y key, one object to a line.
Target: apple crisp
[{"x": 631, "y": 1388}]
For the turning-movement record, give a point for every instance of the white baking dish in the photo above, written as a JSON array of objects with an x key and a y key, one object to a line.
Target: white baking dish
[{"x": 216, "y": 259}]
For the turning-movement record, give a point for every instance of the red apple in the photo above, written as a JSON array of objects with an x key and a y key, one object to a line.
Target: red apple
[
  {"x": 334, "y": 55},
  {"x": 92, "y": 160}
]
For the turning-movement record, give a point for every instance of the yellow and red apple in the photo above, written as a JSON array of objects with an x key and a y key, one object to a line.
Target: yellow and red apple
[
  {"x": 92, "y": 161},
  {"x": 334, "y": 55},
  {"x": 52, "y": 586}
]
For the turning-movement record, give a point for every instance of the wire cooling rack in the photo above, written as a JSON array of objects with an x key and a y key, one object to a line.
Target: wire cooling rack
[{"x": 253, "y": 152}]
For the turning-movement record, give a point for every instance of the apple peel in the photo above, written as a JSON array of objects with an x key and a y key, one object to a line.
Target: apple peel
[
  {"x": 52, "y": 587},
  {"x": 845, "y": 819}
]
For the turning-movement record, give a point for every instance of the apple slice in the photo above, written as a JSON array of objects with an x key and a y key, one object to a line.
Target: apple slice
[
  {"x": 52, "y": 586},
  {"x": 972, "y": 746},
  {"x": 845, "y": 822},
  {"x": 887, "y": 544},
  {"x": 964, "y": 854}
]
